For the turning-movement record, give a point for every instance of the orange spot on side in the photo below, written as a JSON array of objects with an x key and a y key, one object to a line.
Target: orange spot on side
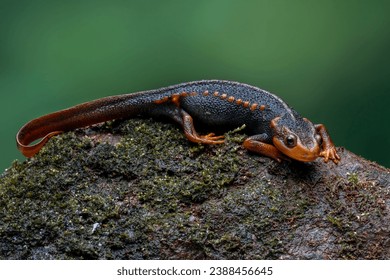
[
  {"x": 176, "y": 99},
  {"x": 254, "y": 106},
  {"x": 183, "y": 94},
  {"x": 245, "y": 104},
  {"x": 193, "y": 93},
  {"x": 223, "y": 96},
  {"x": 216, "y": 93},
  {"x": 262, "y": 107},
  {"x": 205, "y": 93},
  {"x": 162, "y": 100},
  {"x": 238, "y": 101},
  {"x": 231, "y": 99}
]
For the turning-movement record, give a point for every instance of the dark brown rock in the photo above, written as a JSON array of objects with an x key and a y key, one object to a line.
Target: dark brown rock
[{"x": 140, "y": 190}]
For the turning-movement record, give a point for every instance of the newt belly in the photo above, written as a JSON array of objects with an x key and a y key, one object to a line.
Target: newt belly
[{"x": 275, "y": 129}]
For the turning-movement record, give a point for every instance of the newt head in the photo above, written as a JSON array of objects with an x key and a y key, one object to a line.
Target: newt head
[{"x": 296, "y": 138}]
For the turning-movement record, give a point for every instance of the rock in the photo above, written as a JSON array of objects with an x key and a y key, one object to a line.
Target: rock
[{"x": 139, "y": 190}]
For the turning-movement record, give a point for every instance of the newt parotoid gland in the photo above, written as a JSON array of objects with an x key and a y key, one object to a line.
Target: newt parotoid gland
[{"x": 275, "y": 130}]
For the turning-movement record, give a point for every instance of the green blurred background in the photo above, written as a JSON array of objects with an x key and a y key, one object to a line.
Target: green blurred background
[{"x": 328, "y": 59}]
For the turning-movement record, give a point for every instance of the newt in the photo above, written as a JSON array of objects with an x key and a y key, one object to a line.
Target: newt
[{"x": 274, "y": 129}]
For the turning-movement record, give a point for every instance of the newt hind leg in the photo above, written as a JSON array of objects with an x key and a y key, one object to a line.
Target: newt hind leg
[
  {"x": 184, "y": 119},
  {"x": 193, "y": 136}
]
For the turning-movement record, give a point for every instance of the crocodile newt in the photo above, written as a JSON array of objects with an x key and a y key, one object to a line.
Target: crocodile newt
[{"x": 275, "y": 129}]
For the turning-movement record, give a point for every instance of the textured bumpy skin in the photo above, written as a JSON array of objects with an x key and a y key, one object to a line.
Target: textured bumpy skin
[{"x": 275, "y": 129}]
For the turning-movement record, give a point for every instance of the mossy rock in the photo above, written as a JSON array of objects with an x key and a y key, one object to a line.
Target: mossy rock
[{"x": 138, "y": 189}]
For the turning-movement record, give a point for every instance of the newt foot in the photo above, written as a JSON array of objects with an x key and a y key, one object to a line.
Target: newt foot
[
  {"x": 330, "y": 154},
  {"x": 212, "y": 139}
]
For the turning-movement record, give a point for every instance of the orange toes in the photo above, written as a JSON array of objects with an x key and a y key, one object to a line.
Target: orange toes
[
  {"x": 212, "y": 139},
  {"x": 330, "y": 154},
  {"x": 211, "y": 136}
]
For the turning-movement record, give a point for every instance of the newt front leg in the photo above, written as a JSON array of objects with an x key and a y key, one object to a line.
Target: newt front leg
[
  {"x": 257, "y": 144},
  {"x": 328, "y": 148}
]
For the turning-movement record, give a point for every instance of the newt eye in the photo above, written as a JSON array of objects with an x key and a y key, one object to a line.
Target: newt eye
[{"x": 291, "y": 140}]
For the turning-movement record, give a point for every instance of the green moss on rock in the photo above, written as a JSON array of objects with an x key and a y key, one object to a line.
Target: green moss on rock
[{"x": 139, "y": 190}]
